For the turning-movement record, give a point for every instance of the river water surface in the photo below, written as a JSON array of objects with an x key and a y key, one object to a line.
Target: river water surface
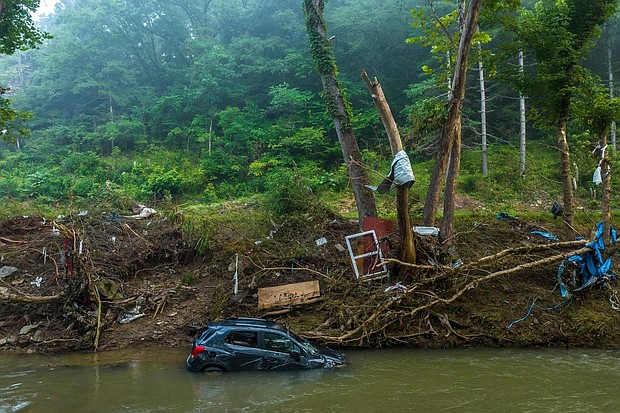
[{"x": 155, "y": 380}]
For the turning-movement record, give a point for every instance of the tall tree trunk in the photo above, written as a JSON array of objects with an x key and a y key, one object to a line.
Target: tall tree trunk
[
  {"x": 605, "y": 192},
  {"x": 452, "y": 127},
  {"x": 522, "y": 140},
  {"x": 407, "y": 245},
  {"x": 339, "y": 108},
  {"x": 483, "y": 113},
  {"x": 447, "y": 225},
  {"x": 567, "y": 187},
  {"x": 610, "y": 72}
]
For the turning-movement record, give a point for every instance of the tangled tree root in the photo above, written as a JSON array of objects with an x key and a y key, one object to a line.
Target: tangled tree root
[{"x": 412, "y": 309}]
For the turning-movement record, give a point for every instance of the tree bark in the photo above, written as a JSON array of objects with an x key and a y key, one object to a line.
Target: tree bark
[
  {"x": 610, "y": 74},
  {"x": 407, "y": 245},
  {"x": 338, "y": 107},
  {"x": 447, "y": 225},
  {"x": 567, "y": 187},
  {"x": 606, "y": 193},
  {"x": 483, "y": 114},
  {"x": 451, "y": 133},
  {"x": 522, "y": 122}
]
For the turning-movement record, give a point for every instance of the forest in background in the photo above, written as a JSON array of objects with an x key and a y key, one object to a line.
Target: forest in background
[{"x": 211, "y": 100}]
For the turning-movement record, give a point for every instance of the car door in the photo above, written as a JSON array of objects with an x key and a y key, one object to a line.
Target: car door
[
  {"x": 278, "y": 349},
  {"x": 244, "y": 352}
]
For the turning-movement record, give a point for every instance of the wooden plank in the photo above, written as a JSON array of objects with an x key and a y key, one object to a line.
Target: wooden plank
[{"x": 280, "y": 295}]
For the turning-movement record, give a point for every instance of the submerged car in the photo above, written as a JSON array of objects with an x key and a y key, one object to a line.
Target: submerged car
[{"x": 256, "y": 344}]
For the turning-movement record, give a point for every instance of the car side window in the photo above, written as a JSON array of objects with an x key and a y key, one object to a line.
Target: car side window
[
  {"x": 242, "y": 338},
  {"x": 277, "y": 342}
]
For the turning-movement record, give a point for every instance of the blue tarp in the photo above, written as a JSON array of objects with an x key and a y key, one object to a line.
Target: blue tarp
[
  {"x": 591, "y": 265},
  {"x": 547, "y": 235}
]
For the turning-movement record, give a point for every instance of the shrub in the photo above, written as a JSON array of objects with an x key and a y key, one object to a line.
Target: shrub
[{"x": 289, "y": 193}]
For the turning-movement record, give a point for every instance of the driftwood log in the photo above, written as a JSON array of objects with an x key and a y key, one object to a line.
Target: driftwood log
[{"x": 7, "y": 295}]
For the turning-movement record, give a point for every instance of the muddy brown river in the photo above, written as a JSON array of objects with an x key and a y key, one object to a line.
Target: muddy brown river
[{"x": 375, "y": 381}]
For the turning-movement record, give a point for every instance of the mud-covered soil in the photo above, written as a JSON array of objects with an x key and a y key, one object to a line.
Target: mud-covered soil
[{"x": 98, "y": 282}]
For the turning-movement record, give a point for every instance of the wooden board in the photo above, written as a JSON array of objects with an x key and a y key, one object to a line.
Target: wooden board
[{"x": 288, "y": 294}]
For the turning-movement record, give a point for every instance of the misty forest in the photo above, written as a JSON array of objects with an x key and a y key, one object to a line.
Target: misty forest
[{"x": 207, "y": 101}]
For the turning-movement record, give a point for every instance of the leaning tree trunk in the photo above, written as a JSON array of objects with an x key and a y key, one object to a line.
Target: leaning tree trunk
[
  {"x": 339, "y": 108},
  {"x": 407, "y": 245},
  {"x": 451, "y": 132}
]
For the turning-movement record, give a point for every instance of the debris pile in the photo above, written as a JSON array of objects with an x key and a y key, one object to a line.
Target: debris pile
[{"x": 60, "y": 275}]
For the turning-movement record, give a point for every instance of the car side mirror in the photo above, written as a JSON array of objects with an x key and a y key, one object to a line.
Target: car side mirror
[{"x": 296, "y": 355}]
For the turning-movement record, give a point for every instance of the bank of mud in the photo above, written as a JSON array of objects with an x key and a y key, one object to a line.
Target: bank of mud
[{"x": 100, "y": 281}]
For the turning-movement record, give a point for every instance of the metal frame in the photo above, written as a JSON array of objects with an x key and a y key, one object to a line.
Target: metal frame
[{"x": 383, "y": 272}]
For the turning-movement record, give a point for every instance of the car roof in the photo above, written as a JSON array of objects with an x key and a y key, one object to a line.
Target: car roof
[{"x": 251, "y": 322}]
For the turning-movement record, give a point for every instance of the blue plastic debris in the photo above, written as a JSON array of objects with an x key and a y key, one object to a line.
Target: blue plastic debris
[
  {"x": 504, "y": 215},
  {"x": 556, "y": 210},
  {"x": 529, "y": 311},
  {"x": 547, "y": 235},
  {"x": 563, "y": 289},
  {"x": 113, "y": 218},
  {"x": 592, "y": 267}
]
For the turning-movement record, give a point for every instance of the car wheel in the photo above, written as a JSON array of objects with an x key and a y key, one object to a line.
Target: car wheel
[{"x": 213, "y": 369}]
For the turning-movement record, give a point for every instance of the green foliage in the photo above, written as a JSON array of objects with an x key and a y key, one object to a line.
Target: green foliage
[
  {"x": 321, "y": 181},
  {"x": 307, "y": 142},
  {"x": 49, "y": 184},
  {"x": 325, "y": 60},
  {"x": 218, "y": 166},
  {"x": 12, "y": 121},
  {"x": 128, "y": 96},
  {"x": 502, "y": 188},
  {"x": 188, "y": 279},
  {"x": 288, "y": 193},
  {"x": 426, "y": 118},
  {"x": 437, "y": 23},
  {"x": 17, "y": 32},
  {"x": 289, "y": 101},
  {"x": 17, "y": 29},
  {"x": 321, "y": 50},
  {"x": 226, "y": 228},
  {"x": 594, "y": 108},
  {"x": 558, "y": 35},
  {"x": 164, "y": 183}
]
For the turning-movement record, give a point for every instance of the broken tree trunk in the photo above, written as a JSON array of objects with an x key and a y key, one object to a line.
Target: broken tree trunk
[
  {"x": 407, "y": 244},
  {"x": 339, "y": 109}
]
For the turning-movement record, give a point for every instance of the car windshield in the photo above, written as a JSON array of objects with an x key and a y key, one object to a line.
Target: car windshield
[{"x": 304, "y": 343}]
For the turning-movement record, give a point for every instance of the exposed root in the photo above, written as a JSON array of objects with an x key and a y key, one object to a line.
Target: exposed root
[{"x": 393, "y": 311}]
